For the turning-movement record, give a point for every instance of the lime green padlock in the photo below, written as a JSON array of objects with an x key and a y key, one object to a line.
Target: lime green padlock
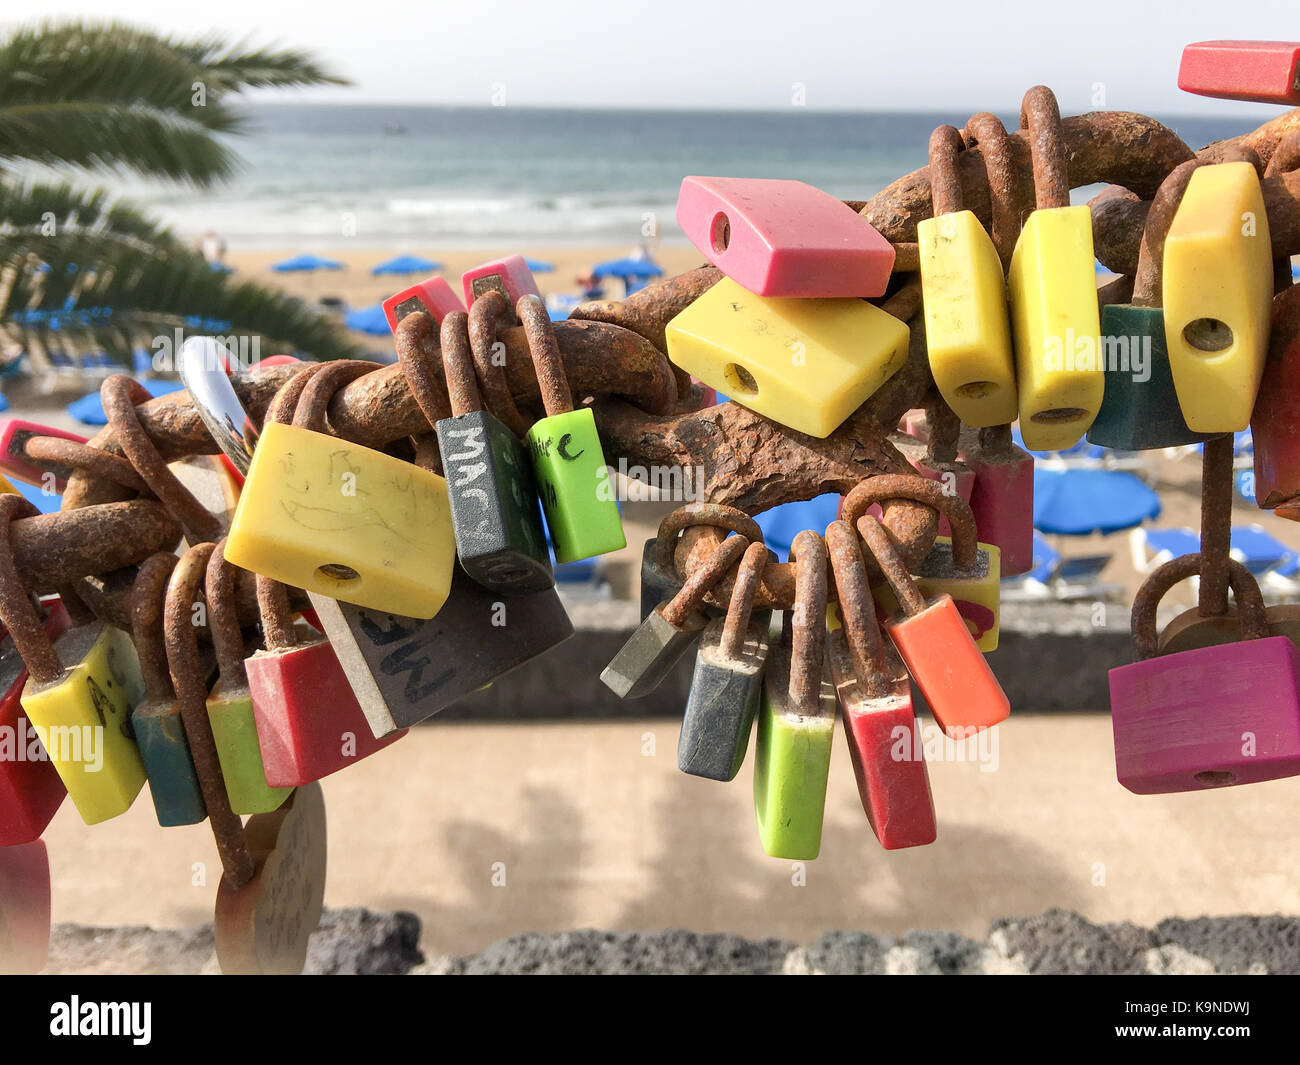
[
  {"x": 796, "y": 718},
  {"x": 572, "y": 477},
  {"x": 230, "y": 706}
]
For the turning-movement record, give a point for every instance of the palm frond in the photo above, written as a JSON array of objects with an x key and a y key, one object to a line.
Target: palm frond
[{"x": 36, "y": 206}]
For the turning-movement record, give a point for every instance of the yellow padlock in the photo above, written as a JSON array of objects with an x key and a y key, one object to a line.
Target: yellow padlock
[
  {"x": 81, "y": 713},
  {"x": 339, "y": 519},
  {"x": 967, "y": 332},
  {"x": 1052, "y": 286},
  {"x": 1218, "y": 293},
  {"x": 806, "y": 363}
]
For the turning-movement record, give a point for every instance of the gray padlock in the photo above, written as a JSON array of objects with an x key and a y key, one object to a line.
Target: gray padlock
[
  {"x": 670, "y": 629},
  {"x": 728, "y": 680}
]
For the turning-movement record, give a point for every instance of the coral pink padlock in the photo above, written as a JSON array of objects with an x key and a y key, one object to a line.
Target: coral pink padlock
[
  {"x": 432, "y": 295},
  {"x": 784, "y": 238},
  {"x": 509, "y": 276},
  {"x": 16, "y": 463},
  {"x": 1212, "y": 716}
]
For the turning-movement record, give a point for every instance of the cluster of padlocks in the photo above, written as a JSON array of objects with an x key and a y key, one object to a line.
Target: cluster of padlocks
[{"x": 370, "y": 545}]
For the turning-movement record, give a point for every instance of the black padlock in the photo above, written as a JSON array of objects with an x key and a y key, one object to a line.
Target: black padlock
[
  {"x": 494, "y": 507},
  {"x": 404, "y": 670},
  {"x": 670, "y": 630},
  {"x": 728, "y": 680}
]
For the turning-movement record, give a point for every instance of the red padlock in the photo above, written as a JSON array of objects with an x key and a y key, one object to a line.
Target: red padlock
[
  {"x": 952, "y": 673},
  {"x": 876, "y": 700},
  {"x": 509, "y": 276},
  {"x": 432, "y": 295},
  {"x": 24, "y": 908},
  {"x": 31, "y": 790},
  {"x": 1275, "y": 421}
]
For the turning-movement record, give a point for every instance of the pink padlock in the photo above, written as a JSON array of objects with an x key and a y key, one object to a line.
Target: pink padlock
[
  {"x": 784, "y": 238},
  {"x": 1209, "y": 717},
  {"x": 24, "y": 908},
  {"x": 509, "y": 276},
  {"x": 1002, "y": 495},
  {"x": 432, "y": 295},
  {"x": 14, "y": 434}
]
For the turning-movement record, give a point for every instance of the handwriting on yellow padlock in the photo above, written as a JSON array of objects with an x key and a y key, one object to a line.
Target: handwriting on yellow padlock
[
  {"x": 1056, "y": 325},
  {"x": 1218, "y": 292},
  {"x": 84, "y": 720},
  {"x": 806, "y": 363},
  {"x": 966, "y": 327},
  {"x": 345, "y": 521}
]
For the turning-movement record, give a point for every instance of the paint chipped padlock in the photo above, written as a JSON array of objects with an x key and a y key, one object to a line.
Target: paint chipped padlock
[
  {"x": 262, "y": 927},
  {"x": 1210, "y": 717},
  {"x": 509, "y": 276},
  {"x": 934, "y": 641},
  {"x": 1218, "y": 287},
  {"x": 493, "y": 497},
  {"x": 967, "y": 331},
  {"x": 796, "y": 718},
  {"x": 230, "y": 703},
  {"x": 1275, "y": 421},
  {"x": 576, "y": 485},
  {"x": 309, "y": 722},
  {"x": 784, "y": 238},
  {"x": 1002, "y": 496},
  {"x": 156, "y": 722},
  {"x": 16, "y": 463},
  {"x": 1053, "y": 291},
  {"x": 30, "y": 789},
  {"x": 670, "y": 630},
  {"x": 1140, "y": 410},
  {"x": 341, "y": 520},
  {"x": 82, "y": 712},
  {"x": 728, "y": 680},
  {"x": 1265, "y": 72},
  {"x": 433, "y": 296},
  {"x": 807, "y": 364},
  {"x": 875, "y": 701},
  {"x": 958, "y": 566}
]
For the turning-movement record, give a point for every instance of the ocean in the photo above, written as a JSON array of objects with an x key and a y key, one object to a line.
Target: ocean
[{"x": 459, "y": 177}]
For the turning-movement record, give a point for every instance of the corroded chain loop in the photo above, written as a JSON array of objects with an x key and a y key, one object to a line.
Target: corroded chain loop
[
  {"x": 891, "y": 565},
  {"x": 945, "y": 181},
  {"x": 1245, "y": 589},
  {"x": 183, "y": 590},
  {"x": 987, "y": 130},
  {"x": 310, "y": 413},
  {"x": 148, "y": 598},
  {"x": 1216, "y": 525},
  {"x": 1148, "y": 281},
  {"x": 557, "y": 396},
  {"x": 857, "y": 610},
  {"x": 1040, "y": 117},
  {"x": 16, "y": 609},
  {"x": 807, "y": 621},
  {"x": 59, "y": 451},
  {"x": 921, "y": 490},
  {"x": 717, "y": 515},
  {"x": 120, "y": 394},
  {"x": 696, "y": 586},
  {"x": 740, "y": 607},
  {"x": 484, "y": 314},
  {"x": 458, "y": 367},
  {"x": 223, "y": 618}
]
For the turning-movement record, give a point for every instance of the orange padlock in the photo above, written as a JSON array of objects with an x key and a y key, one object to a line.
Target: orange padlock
[{"x": 940, "y": 652}]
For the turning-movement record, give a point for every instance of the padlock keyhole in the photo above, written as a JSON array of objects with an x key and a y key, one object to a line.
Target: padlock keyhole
[
  {"x": 1059, "y": 414},
  {"x": 1208, "y": 335},
  {"x": 740, "y": 381},
  {"x": 1215, "y": 778},
  {"x": 336, "y": 571},
  {"x": 720, "y": 232},
  {"x": 977, "y": 389}
]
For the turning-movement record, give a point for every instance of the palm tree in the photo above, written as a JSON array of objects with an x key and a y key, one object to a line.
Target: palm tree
[{"x": 74, "y": 264}]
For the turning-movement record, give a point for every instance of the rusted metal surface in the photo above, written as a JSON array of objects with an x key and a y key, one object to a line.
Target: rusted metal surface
[
  {"x": 545, "y": 352},
  {"x": 485, "y": 314},
  {"x": 1245, "y": 590},
  {"x": 57, "y": 452},
  {"x": 192, "y": 697},
  {"x": 857, "y": 610},
  {"x": 920, "y": 490},
  {"x": 740, "y": 607},
  {"x": 457, "y": 371},
  {"x": 1216, "y": 525},
  {"x": 277, "y": 617},
  {"x": 987, "y": 131},
  {"x": 16, "y": 608},
  {"x": 945, "y": 184},
  {"x": 54, "y": 549},
  {"x": 1149, "y": 276},
  {"x": 223, "y": 619},
  {"x": 1040, "y": 120},
  {"x": 807, "y": 621},
  {"x": 891, "y": 564},
  {"x": 690, "y": 597},
  {"x": 148, "y": 596}
]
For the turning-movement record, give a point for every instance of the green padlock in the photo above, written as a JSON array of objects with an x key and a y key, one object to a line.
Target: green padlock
[
  {"x": 572, "y": 476},
  {"x": 796, "y": 718},
  {"x": 230, "y": 707},
  {"x": 1140, "y": 410}
]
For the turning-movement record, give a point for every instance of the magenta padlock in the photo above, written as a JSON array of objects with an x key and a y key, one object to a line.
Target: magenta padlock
[
  {"x": 1002, "y": 495},
  {"x": 1210, "y": 717},
  {"x": 509, "y": 276},
  {"x": 784, "y": 238},
  {"x": 432, "y": 295}
]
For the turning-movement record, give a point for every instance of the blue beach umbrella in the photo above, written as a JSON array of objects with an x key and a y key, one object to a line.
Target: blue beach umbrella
[
  {"x": 370, "y": 320},
  {"x": 627, "y": 268},
  {"x": 90, "y": 411},
  {"x": 406, "y": 264},
  {"x": 1082, "y": 501},
  {"x": 305, "y": 264},
  {"x": 539, "y": 266}
]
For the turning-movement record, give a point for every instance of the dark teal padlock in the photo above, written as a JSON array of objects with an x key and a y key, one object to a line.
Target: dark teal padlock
[
  {"x": 1140, "y": 411},
  {"x": 159, "y": 731}
]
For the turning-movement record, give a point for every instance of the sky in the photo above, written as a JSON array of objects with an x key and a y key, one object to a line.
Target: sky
[{"x": 761, "y": 54}]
